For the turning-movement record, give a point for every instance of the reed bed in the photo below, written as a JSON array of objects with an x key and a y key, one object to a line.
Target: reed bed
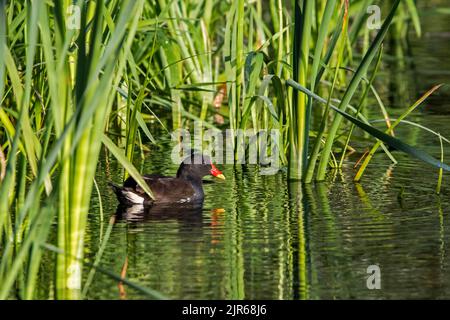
[{"x": 76, "y": 75}]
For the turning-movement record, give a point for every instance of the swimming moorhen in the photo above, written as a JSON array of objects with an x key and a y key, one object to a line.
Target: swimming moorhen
[{"x": 186, "y": 187}]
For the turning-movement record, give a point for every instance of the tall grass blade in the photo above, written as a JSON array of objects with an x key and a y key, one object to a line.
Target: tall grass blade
[
  {"x": 120, "y": 156},
  {"x": 351, "y": 89},
  {"x": 391, "y": 128},
  {"x": 384, "y": 137}
]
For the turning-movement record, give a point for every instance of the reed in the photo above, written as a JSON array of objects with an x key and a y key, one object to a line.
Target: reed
[
  {"x": 127, "y": 70},
  {"x": 60, "y": 146}
]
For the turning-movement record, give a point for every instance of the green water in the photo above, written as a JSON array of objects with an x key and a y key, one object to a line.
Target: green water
[{"x": 261, "y": 237}]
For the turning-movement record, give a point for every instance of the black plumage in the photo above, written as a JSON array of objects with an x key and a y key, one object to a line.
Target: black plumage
[{"x": 186, "y": 187}]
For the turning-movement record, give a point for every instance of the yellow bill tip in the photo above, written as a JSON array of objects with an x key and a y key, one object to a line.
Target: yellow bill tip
[{"x": 220, "y": 176}]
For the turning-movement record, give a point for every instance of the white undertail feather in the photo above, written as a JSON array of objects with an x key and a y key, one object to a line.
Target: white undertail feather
[{"x": 133, "y": 197}]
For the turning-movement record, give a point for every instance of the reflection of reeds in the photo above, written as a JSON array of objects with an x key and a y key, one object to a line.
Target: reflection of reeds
[
  {"x": 298, "y": 209},
  {"x": 131, "y": 64},
  {"x": 234, "y": 246},
  {"x": 98, "y": 257},
  {"x": 441, "y": 233}
]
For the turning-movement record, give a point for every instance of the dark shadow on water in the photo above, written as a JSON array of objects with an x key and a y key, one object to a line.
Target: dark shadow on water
[{"x": 186, "y": 213}]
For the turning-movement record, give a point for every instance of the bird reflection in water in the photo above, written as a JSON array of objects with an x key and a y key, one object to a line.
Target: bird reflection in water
[
  {"x": 192, "y": 221},
  {"x": 187, "y": 213}
]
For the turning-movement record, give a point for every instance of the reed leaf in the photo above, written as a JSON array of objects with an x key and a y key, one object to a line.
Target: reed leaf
[
  {"x": 391, "y": 128},
  {"x": 351, "y": 89},
  {"x": 120, "y": 156},
  {"x": 384, "y": 137}
]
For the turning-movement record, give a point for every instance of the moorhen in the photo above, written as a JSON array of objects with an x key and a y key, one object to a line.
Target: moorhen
[{"x": 186, "y": 187}]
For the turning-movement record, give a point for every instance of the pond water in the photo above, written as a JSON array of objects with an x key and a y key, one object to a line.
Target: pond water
[{"x": 262, "y": 237}]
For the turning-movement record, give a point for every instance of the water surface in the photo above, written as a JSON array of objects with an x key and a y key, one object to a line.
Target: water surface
[{"x": 261, "y": 237}]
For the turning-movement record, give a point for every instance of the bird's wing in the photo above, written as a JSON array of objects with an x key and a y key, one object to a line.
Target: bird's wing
[{"x": 164, "y": 189}]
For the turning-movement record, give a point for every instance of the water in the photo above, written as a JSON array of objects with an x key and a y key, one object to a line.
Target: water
[{"x": 260, "y": 237}]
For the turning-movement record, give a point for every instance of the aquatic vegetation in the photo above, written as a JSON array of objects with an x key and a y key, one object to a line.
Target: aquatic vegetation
[
  {"x": 78, "y": 75},
  {"x": 59, "y": 136}
]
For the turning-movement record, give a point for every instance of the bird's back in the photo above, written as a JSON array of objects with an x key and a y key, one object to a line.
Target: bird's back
[{"x": 164, "y": 189}]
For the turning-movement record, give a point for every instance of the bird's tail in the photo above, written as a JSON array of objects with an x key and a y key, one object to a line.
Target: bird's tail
[
  {"x": 117, "y": 189},
  {"x": 125, "y": 195}
]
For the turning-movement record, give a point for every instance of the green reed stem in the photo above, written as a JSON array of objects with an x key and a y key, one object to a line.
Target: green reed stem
[{"x": 351, "y": 89}]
